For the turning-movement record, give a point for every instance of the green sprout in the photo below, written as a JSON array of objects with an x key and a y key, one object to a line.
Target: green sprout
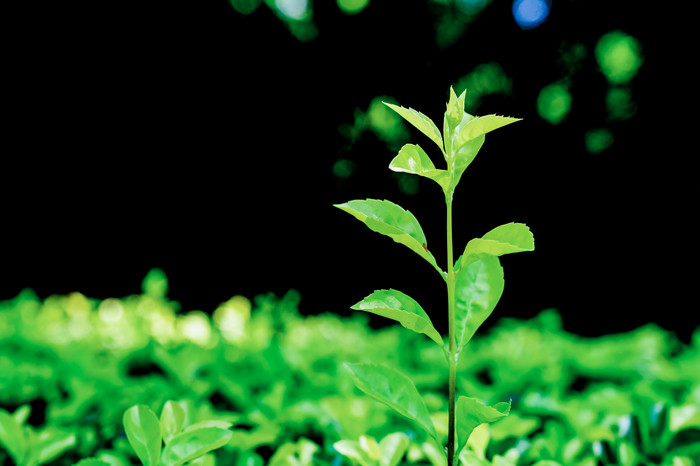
[{"x": 474, "y": 281}]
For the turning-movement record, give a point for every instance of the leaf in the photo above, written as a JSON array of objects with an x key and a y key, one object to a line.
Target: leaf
[
  {"x": 400, "y": 307},
  {"x": 478, "y": 288},
  {"x": 172, "y": 419},
  {"x": 394, "y": 389},
  {"x": 471, "y": 413},
  {"x": 91, "y": 462},
  {"x": 210, "y": 423},
  {"x": 479, "y": 126},
  {"x": 393, "y": 447},
  {"x": 420, "y": 121},
  {"x": 505, "y": 239},
  {"x": 12, "y": 437},
  {"x": 51, "y": 443},
  {"x": 455, "y": 108},
  {"x": 143, "y": 431},
  {"x": 191, "y": 444},
  {"x": 391, "y": 220},
  {"x": 353, "y": 451},
  {"x": 413, "y": 159}
]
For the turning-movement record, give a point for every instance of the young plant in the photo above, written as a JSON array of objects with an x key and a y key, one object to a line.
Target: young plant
[{"x": 474, "y": 281}]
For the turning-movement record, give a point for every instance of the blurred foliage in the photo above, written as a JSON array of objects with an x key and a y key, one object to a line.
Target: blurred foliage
[{"x": 70, "y": 366}]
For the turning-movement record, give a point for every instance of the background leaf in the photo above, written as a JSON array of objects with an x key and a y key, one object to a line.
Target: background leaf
[
  {"x": 12, "y": 437},
  {"x": 389, "y": 219},
  {"x": 191, "y": 444},
  {"x": 504, "y": 239},
  {"x": 400, "y": 307},
  {"x": 478, "y": 288},
  {"x": 172, "y": 419},
  {"x": 420, "y": 121},
  {"x": 394, "y": 389},
  {"x": 143, "y": 431},
  {"x": 471, "y": 412},
  {"x": 393, "y": 447},
  {"x": 413, "y": 159}
]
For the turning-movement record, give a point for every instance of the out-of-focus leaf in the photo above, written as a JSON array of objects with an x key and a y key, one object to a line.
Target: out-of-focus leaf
[
  {"x": 393, "y": 447},
  {"x": 400, "y": 307},
  {"x": 389, "y": 219},
  {"x": 504, "y": 239},
  {"x": 172, "y": 419},
  {"x": 353, "y": 451},
  {"x": 478, "y": 288},
  {"x": 192, "y": 444},
  {"x": 91, "y": 462},
  {"x": 420, "y": 121},
  {"x": 209, "y": 423},
  {"x": 12, "y": 437},
  {"x": 683, "y": 417},
  {"x": 413, "y": 159},
  {"x": 471, "y": 412},
  {"x": 51, "y": 443},
  {"x": 22, "y": 413},
  {"x": 394, "y": 389},
  {"x": 143, "y": 431},
  {"x": 207, "y": 460}
]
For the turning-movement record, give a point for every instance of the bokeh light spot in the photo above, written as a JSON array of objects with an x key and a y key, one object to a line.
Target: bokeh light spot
[
  {"x": 292, "y": 9},
  {"x": 352, "y": 7},
  {"x": 343, "y": 168},
  {"x": 554, "y": 103},
  {"x": 245, "y": 7},
  {"x": 530, "y": 13},
  {"x": 619, "y": 56},
  {"x": 597, "y": 140}
]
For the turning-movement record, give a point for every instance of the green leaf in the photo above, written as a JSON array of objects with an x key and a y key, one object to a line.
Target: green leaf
[
  {"x": 413, "y": 159},
  {"x": 172, "y": 419},
  {"x": 12, "y": 437},
  {"x": 400, "y": 307},
  {"x": 420, "y": 121},
  {"x": 478, "y": 288},
  {"x": 192, "y": 444},
  {"x": 393, "y": 447},
  {"x": 51, "y": 443},
  {"x": 391, "y": 220},
  {"x": 394, "y": 389},
  {"x": 455, "y": 108},
  {"x": 471, "y": 413},
  {"x": 353, "y": 451},
  {"x": 91, "y": 462},
  {"x": 479, "y": 126},
  {"x": 505, "y": 239},
  {"x": 143, "y": 431}
]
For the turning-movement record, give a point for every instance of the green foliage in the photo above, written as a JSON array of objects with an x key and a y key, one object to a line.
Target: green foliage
[
  {"x": 278, "y": 384},
  {"x": 474, "y": 282}
]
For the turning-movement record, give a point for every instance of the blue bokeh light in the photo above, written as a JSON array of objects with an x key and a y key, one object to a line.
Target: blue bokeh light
[{"x": 530, "y": 13}]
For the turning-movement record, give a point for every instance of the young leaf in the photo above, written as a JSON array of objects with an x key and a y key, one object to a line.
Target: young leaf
[
  {"x": 12, "y": 437},
  {"x": 192, "y": 444},
  {"x": 420, "y": 121},
  {"x": 471, "y": 412},
  {"x": 455, "y": 108},
  {"x": 481, "y": 125},
  {"x": 400, "y": 307},
  {"x": 91, "y": 462},
  {"x": 143, "y": 431},
  {"x": 478, "y": 288},
  {"x": 393, "y": 447},
  {"x": 172, "y": 419},
  {"x": 413, "y": 159},
  {"x": 505, "y": 239},
  {"x": 352, "y": 450},
  {"x": 389, "y": 219},
  {"x": 394, "y": 389},
  {"x": 51, "y": 443}
]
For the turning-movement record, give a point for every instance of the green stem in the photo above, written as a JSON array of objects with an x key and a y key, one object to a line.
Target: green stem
[{"x": 452, "y": 357}]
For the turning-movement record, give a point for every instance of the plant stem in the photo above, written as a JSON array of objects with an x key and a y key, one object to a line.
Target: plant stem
[{"x": 452, "y": 359}]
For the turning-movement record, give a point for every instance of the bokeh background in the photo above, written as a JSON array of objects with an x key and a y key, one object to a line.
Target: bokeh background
[{"x": 211, "y": 138}]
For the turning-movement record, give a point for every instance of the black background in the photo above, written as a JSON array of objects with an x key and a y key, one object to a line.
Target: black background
[{"x": 186, "y": 136}]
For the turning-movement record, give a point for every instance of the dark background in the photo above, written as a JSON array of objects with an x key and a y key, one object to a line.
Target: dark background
[{"x": 190, "y": 137}]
